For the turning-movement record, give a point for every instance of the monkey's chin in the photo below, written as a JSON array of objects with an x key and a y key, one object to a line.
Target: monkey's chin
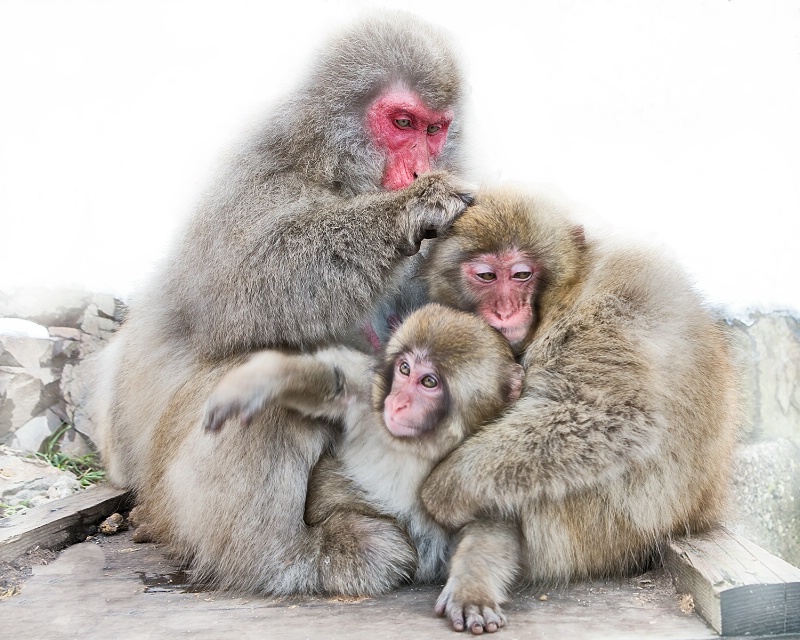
[
  {"x": 514, "y": 335},
  {"x": 402, "y": 430}
]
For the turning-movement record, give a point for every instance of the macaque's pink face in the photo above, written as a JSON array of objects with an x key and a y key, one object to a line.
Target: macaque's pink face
[
  {"x": 504, "y": 285},
  {"x": 415, "y": 403},
  {"x": 410, "y": 133}
]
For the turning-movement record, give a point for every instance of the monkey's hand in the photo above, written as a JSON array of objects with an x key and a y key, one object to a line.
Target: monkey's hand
[
  {"x": 437, "y": 199},
  {"x": 464, "y": 609},
  {"x": 484, "y": 566},
  {"x": 246, "y": 390}
]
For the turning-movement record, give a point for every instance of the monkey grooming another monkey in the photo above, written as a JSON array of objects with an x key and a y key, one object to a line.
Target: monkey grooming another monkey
[
  {"x": 306, "y": 232},
  {"x": 443, "y": 374},
  {"x": 624, "y": 432}
]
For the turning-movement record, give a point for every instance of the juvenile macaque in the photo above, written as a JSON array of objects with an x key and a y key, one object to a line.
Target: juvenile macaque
[
  {"x": 624, "y": 432},
  {"x": 306, "y": 232},
  {"x": 444, "y": 373}
]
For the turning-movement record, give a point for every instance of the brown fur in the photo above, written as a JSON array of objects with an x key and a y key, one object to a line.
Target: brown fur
[
  {"x": 627, "y": 422},
  {"x": 370, "y": 488},
  {"x": 294, "y": 248}
]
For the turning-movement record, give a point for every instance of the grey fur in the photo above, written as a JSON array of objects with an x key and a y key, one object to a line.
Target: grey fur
[{"x": 293, "y": 248}]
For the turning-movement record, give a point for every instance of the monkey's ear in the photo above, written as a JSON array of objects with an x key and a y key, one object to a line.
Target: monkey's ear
[
  {"x": 516, "y": 377},
  {"x": 578, "y": 236}
]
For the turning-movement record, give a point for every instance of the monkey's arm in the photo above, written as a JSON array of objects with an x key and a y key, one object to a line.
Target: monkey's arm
[
  {"x": 542, "y": 447},
  {"x": 318, "y": 385},
  {"x": 484, "y": 566},
  {"x": 304, "y": 269}
]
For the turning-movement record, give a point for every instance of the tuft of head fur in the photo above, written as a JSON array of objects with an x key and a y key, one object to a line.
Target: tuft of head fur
[
  {"x": 320, "y": 129},
  {"x": 475, "y": 363}
]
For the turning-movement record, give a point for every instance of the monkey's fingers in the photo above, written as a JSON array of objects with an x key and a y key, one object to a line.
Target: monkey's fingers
[
  {"x": 217, "y": 413},
  {"x": 464, "y": 614},
  {"x": 214, "y": 418}
]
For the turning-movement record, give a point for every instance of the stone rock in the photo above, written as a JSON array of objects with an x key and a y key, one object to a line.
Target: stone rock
[
  {"x": 56, "y": 307},
  {"x": 29, "y": 479},
  {"x": 766, "y": 497},
  {"x": 22, "y": 351},
  {"x": 74, "y": 388},
  {"x": 25, "y": 394},
  {"x": 31, "y": 435},
  {"x": 75, "y": 444},
  {"x": 67, "y": 333},
  {"x": 43, "y": 369}
]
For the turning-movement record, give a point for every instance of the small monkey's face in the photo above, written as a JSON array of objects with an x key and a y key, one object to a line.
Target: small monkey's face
[
  {"x": 417, "y": 400},
  {"x": 411, "y": 134},
  {"x": 503, "y": 284}
]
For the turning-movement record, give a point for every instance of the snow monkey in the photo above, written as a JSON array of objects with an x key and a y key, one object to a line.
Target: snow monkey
[
  {"x": 443, "y": 374},
  {"x": 624, "y": 432},
  {"x": 315, "y": 218}
]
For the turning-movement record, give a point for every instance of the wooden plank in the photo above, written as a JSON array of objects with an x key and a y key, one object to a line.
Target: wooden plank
[
  {"x": 56, "y": 524},
  {"x": 110, "y": 586},
  {"x": 738, "y": 587}
]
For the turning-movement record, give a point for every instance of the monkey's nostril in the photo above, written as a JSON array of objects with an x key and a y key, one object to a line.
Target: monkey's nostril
[{"x": 416, "y": 175}]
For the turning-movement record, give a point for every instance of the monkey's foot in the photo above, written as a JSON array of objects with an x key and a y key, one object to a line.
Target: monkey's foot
[{"x": 464, "y": 609}]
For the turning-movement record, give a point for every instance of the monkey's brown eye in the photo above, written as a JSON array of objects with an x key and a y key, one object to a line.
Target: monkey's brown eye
[
  {"x": 487, "y": 276},
  {"x": 403, "y": 123},
  {"x": 434, "y": 128},
  {"x": 429, "y": 382},
  {"x": 522, "y": 275},
  {"x": 404, "y": 369}
]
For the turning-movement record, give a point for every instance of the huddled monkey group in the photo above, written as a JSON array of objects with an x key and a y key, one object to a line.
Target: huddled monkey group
[{"x": 354, "y": 370}]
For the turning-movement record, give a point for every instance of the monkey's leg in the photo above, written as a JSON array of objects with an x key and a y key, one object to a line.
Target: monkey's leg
[
  {"x": 484, "y": 566},
  {"x": 357, "y": 551},
  {"x": 362, "y": 555}
]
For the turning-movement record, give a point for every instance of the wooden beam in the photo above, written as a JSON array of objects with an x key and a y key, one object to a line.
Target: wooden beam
[
  {"x": 56, "y": 524},
  {"x": 737, "y": 587}
]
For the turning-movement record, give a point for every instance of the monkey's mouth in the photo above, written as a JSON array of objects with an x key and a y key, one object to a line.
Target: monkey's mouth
[{"x": 514, "y": 335}]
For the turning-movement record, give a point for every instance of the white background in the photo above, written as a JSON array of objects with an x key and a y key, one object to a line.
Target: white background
[{"x": 675, "y": 120}]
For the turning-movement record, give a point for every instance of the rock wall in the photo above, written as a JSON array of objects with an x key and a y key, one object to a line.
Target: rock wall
[
  {"x": 766, "y": 489},
  {"x": 45, "y": 338}
]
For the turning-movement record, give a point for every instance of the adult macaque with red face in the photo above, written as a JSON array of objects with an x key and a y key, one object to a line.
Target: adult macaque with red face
[
  {"x": 413, "y": 133},
  {"x": 308, "y": 230},
  {"x": 624, "y": 432},
  {"x": 443, "y": 375}
]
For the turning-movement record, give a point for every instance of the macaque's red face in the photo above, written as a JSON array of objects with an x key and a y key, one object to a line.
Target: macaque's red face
[
  {"x": 504, "y": 285},
  {"x": 416, "y": 402},
  {"x": 410, "y": 133}
]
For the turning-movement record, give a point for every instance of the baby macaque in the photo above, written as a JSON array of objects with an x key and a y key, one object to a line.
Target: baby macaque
[{"x": 443, "y": 375}]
